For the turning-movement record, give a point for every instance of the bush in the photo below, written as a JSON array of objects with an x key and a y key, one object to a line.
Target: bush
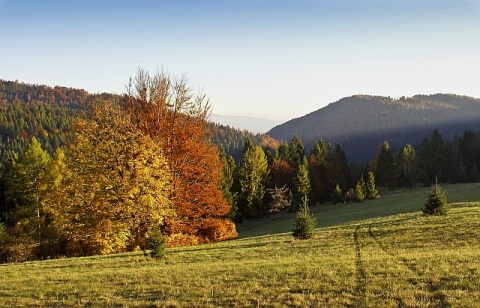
[
  {"x": 19, "y": 249},
  {"x": 217, "y": 229},
  {"x": 305, "y": 222},
  {"x": 437, "y": 202},
  {"x": 157, "y": 244}
]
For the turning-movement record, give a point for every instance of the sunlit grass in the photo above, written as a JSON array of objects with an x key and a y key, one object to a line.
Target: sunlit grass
[{"x": 405, "y": 259}]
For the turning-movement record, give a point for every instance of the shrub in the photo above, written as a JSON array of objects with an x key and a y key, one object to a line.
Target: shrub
[
  {"x": 217, "y": 229},
  {"x": 20, "y": 249},
  {"x": 157, "y": 244},
  {"x": 181, "y": 239},
  {"x": 437, "y": 202},
  {"x": 304, "y": 226}
]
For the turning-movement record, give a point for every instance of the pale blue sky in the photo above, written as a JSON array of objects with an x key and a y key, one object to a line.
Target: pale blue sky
[{"x": 277, "y": 59}]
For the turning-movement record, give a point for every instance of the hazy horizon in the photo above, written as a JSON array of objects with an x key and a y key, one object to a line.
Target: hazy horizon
[{"x": 266, "y": 59}]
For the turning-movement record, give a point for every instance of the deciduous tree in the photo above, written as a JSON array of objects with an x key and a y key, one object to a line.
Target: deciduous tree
[
  {"x": 117, "y": 186},
  {"x": 165, "y": 109}
]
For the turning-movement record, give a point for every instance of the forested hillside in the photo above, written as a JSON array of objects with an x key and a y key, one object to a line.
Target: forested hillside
[
  {"x": 39, "y": 111},
  {"x": 361, "y": 123},
  {"x": 28, "y": 110}
]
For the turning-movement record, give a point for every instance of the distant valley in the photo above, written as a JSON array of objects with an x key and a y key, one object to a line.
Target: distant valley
[{"x": 252, "y": 124}]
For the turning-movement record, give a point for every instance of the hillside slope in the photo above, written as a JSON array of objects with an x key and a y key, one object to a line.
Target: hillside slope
[
  {"x": 425, "y": 262},
  {"x": 361, "y": 123}
]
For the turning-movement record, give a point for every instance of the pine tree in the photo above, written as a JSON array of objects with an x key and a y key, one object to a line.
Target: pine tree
[
  {"x": 437, "y": 202},
  {"x": 305, "y": 222}
]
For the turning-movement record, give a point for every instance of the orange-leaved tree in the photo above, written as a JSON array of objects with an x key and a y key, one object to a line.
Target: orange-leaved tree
[{"x": 165, "y": 109}]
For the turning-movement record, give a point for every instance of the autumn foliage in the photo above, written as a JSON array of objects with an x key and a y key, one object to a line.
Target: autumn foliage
[
  {"x": 137, "y": 168},
  {"x": 165, "y": 109}
]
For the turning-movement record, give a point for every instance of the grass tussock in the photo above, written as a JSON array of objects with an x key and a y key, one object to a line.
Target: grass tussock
[{"x": 369, "y": 258}]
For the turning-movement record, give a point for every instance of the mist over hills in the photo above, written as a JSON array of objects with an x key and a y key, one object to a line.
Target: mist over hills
[
  {"x": 252, "y": 124},
  {"x": 361, "y": 123}
]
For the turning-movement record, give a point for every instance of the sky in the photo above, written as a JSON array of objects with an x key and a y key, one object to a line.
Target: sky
[{"x": 275, "y": 59}]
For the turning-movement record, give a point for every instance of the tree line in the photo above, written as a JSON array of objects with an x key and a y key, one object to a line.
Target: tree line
[{"x": 267, "y": 180}]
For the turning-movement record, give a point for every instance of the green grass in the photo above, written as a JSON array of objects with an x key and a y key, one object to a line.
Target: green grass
[{"x": 381, "y": 253}]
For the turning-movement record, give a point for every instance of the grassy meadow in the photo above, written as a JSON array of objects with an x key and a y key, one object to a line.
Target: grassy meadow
[{"x": 379, "y": 253}]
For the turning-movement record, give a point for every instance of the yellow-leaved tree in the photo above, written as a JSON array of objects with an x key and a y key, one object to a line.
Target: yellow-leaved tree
[{"x": 117, "y": 186}]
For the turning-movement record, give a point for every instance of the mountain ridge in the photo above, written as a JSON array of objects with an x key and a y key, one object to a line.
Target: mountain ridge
[{"x": 361, "y": 123}]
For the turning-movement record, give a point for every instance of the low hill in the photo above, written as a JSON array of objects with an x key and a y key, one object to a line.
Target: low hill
[
  {"x": 361, "y": 123},
  {"x": 425, "y": 262}
]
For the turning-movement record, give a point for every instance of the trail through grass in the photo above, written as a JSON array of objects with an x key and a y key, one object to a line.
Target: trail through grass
[{"x": 401, "y": 260}]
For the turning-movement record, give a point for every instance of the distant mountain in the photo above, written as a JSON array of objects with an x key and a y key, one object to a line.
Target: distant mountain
[
  {"x": 361, "y": 123},
  {"x": 254, "y": 125}
]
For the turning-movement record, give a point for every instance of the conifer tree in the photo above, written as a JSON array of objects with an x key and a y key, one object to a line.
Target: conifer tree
[
  {"x": 318, "y": 174},
  {"x": 370, "y": 188},
  {"x": 297, "y": 152},
  {"x": 436, "y": 203},
  {"x": 252, "y": 176},
  {"x": 229, "y": 169},
  {"x": 360, "y": 190},
  {"x": 27, "y": 183},
  {"x": 301, "y": 186},
  {"x": 407, "y": 166},
  {"x": 305, "y": 222},
  {"x": 385, "y": 170},
  {"x": 337, "y": 195}
]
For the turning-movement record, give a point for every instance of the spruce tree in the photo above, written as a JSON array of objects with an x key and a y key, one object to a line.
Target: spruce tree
[
  {"x": 301, "y": 183},
  {"x": 437, "y": 202},
  {"x": 371, "y": 190},
  {"x": 305, "y": 222},
  {"x": 252, "y": 176},
  {"x": 385, "y": 171},
  {"x": 360, "y": 191}
]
